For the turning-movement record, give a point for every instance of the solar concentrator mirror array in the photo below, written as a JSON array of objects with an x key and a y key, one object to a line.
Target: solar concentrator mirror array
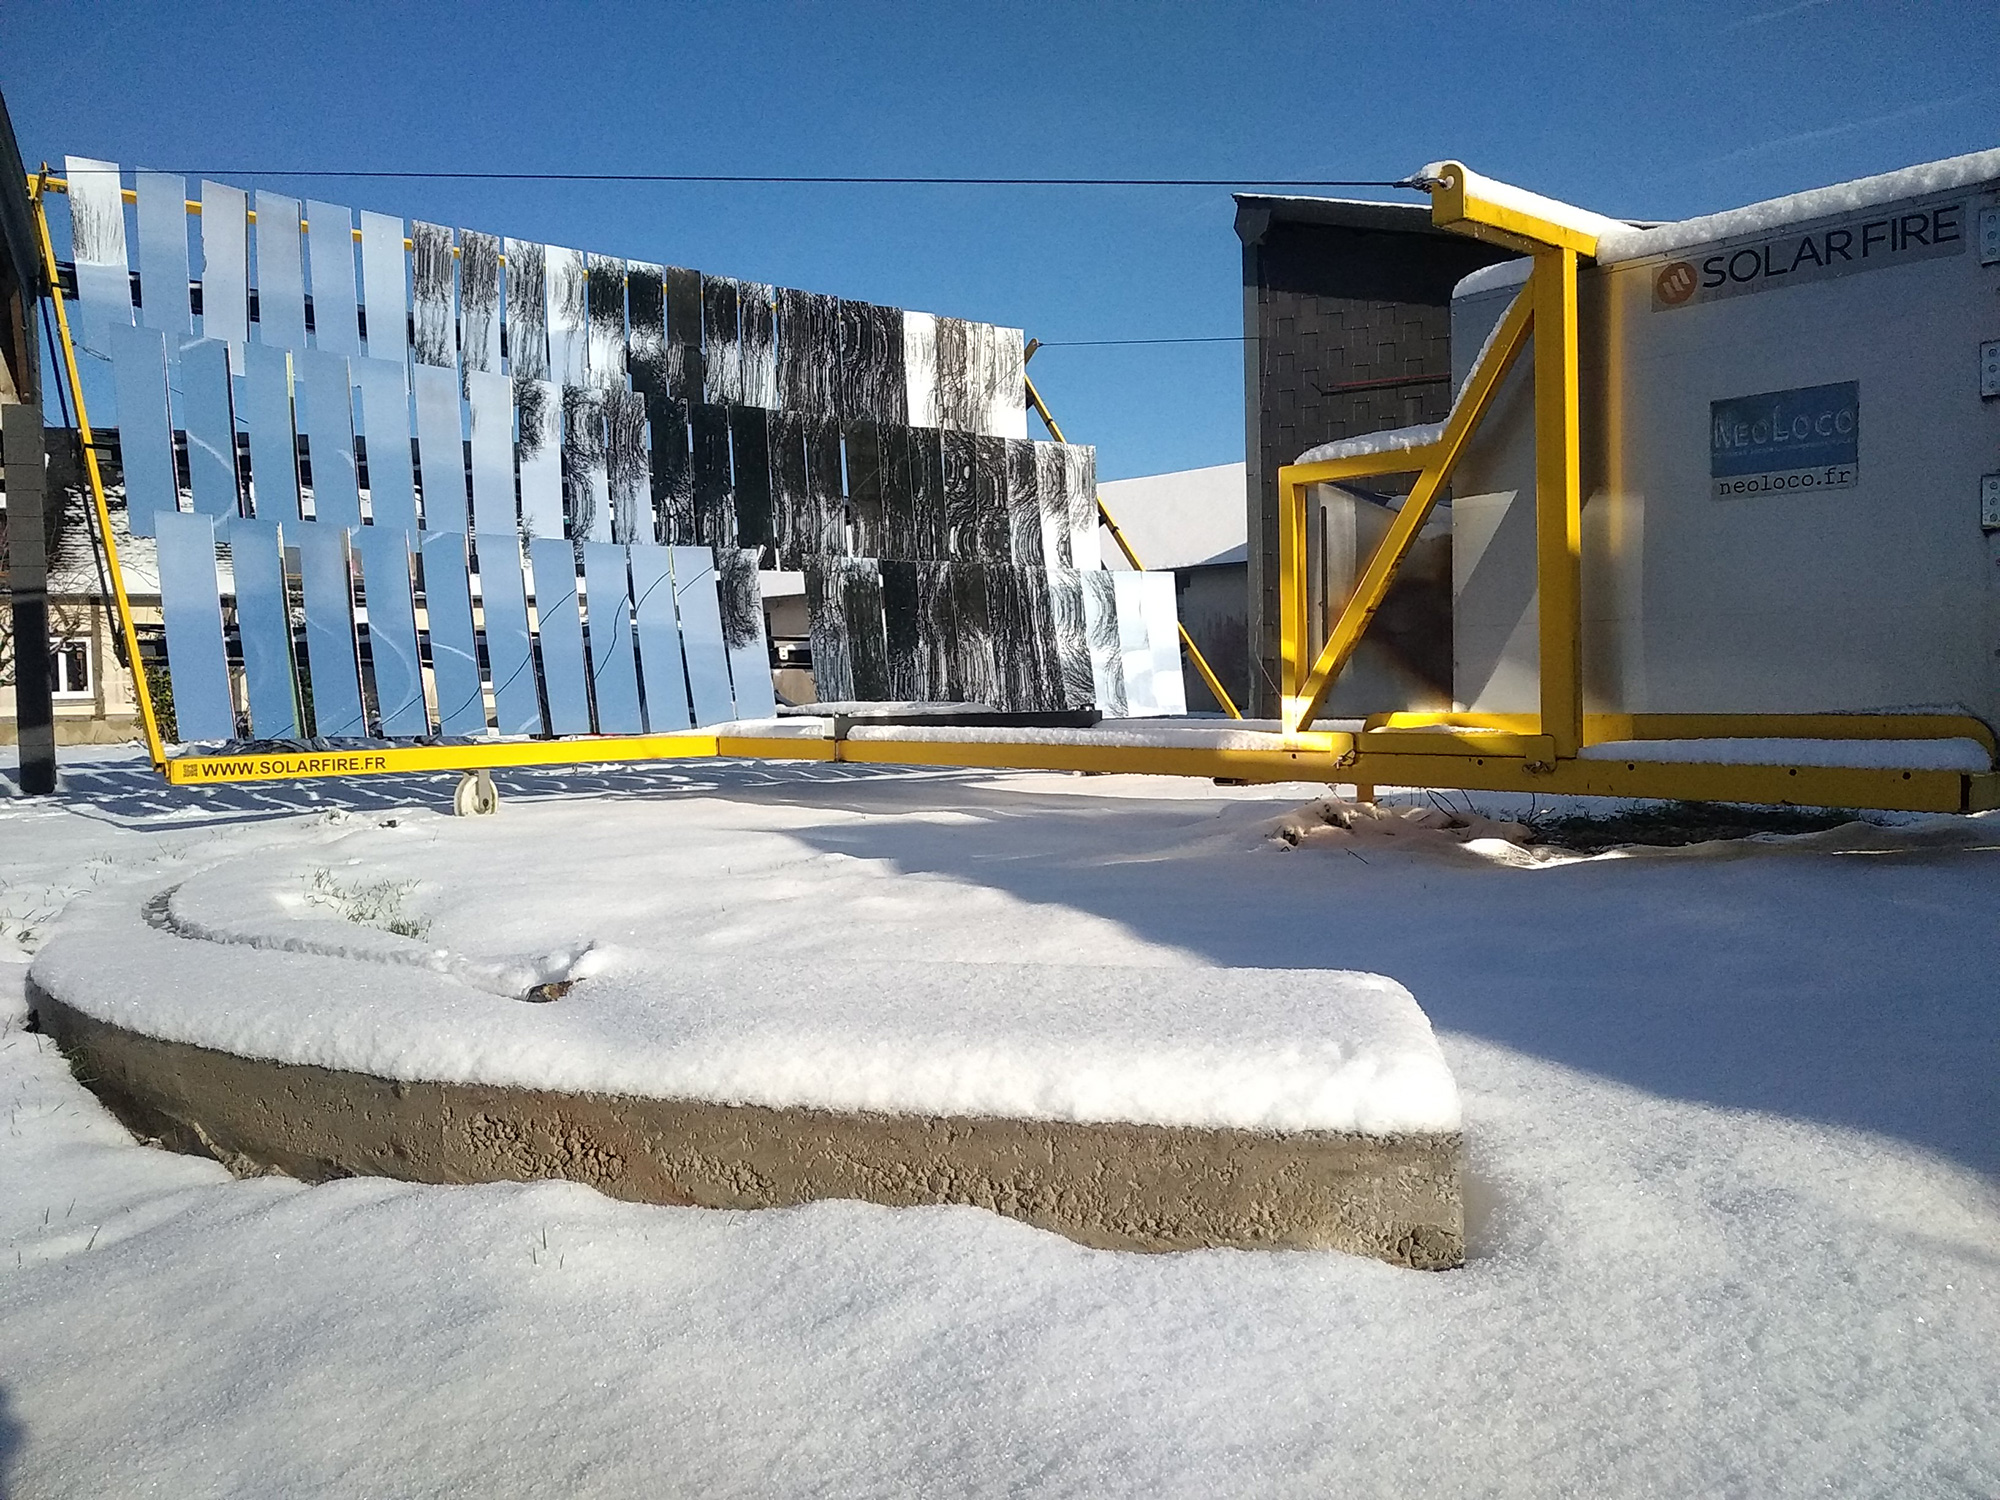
[{"x": 472, "y": 486}]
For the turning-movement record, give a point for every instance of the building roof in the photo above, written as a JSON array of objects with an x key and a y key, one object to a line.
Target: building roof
[{"x": 1184, "y": 519}]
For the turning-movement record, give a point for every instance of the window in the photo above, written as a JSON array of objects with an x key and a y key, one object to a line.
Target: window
[{"x": 69, "y": 667}]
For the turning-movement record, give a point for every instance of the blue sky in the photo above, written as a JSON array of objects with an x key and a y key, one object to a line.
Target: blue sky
[{"x": 1646, "y": 109}]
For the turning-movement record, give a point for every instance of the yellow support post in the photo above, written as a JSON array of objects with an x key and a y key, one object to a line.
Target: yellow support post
[
  {"x": 1304, "y": 698},
  {"x": 1104, "y": 514},
  {"x": 141, "y": 690},
  {"x": 1558, "y": 500}
]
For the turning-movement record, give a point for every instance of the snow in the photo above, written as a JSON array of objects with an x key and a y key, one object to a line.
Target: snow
[
  {"x": 1502, "y": 273},
  {"x": 1506, "y": 195},
  {"x": 1729, "y": 1116},
  {"x": 1976, "y": 169},
  {"x": 1391, "y": 440},
  {"x": 1892, "y": 755}
]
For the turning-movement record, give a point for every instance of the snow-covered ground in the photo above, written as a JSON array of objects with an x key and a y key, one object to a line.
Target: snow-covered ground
[{"x": 1730, "y": 1118}]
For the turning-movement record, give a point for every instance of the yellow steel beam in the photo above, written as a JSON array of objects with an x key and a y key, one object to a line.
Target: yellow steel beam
[
  {"x": 1498, "y": 212},
  {"x": 1104, "y": 514},
  {"x": 1599, "y": 728},
  {"x": 141, "y": 689},
  {"x": 1367, "y": 465},
  {"x": 1328, "y": 758},
  {"x": 1303, "y": 700},
  {"x": 1558, "y": 499}
]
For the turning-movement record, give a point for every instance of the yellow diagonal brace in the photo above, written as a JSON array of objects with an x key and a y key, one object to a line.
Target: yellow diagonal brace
[{"x": 1303, "y": 704}]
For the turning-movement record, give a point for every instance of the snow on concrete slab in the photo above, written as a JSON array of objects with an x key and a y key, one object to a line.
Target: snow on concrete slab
[{"x": 1270, "y": 1050}]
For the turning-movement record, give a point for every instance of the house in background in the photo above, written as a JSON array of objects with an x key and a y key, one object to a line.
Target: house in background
[{"x": 1193, "y": 523}]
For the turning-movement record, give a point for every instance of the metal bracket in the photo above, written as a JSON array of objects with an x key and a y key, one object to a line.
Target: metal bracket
[{"x": 477, "y": 796}]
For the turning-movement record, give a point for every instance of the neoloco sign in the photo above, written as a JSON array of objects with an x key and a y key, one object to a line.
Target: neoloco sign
[
  {"x": 1807, "y": 439},
  {"x": 1795, "y": 257}
]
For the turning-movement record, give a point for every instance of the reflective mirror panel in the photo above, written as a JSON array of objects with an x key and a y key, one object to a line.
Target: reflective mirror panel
[
  {"x": 281, "y": 275},
  {"x": 707, "y": 655},
  {"x": 461, "y": 703},
  {"x": 225, "y": 267},
  {"x": 491, "y": 399},
  {"x": 145, "y": 440},
  {"x": 392, "y": 632},
  {"x": 479, "y": 301},
  {"x": 330, "y": 246},
  {"x": 660, "y": 665},
  {"x": 510, "y": 654},
  {"x": 433, "y": 277},
  {"x": 385, "y": 287},
  {"x": 264, "y": 625},
  {"x": 211, "y": 428},
  {"x": 163, "y": 254},
  {"x": 1107, "y": 660},
  {"x": 97, "y": 246},
  {"x": 328, "y": 399},
  {"x": 441, "y": 447},
  {"x": 334, "y": 675},
  {"x": 538, "y": 408},
  {"x": 614, "y": 677},
  {"x": 569, "y": 315},
  {"x": 559, "y": 628},
  {"x": 191, "y": 608},
  {"x": 385, "y": 428},
  {"x": 527, "y": 310},
  {"x": 267, "y": 415},
  {"x": 742, "y": 607}
]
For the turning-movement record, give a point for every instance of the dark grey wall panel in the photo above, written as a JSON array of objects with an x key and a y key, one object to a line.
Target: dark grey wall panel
[
  {"x": 864, "y": 486},
  {"x": 902, "y": 622},
  {"x": 328, "y": 576},
  {"x": 605, "y": 275},
  {"x": 274, "y": 451},
  {"x": 646, "y": 329},
  {"x": 672, "y": 473},
  {"x": 210, "y": 423},
  {"x": 756, "y": 342},
  {"x": 698, "y": 602},
  {"x": 1024, "y": 510},
  {"x": 538, "y": 444},
  {"x": 1072, "y": 638},
  {"x": 825, "y": 462},
  {"x": 263, "y": 622},
  {"x": 191, "y": 607},
  {"x": 433, "y": 275},
  {"x": 527, "y": 310},
  {"x": 742, "y": 607},
  {"x": 559, "y": 633},
  {"x": 385, "y": 289},
  {"x": 586, "y": 485},
  {"x": 750, "y": 449},
  {"x": 660, "y": 666},
  {"x": 685, "y": 366},
  {"x": 330, "y": 245},
  {"x": 281, "y": 277},
  {"x": 461, "y": 702},
  {"x": 826, "y": 620},
  {"x": 385, "y": 424},
  {"x": 867, "y": 643},
  {"x": 392, "y": 632},
  {"x": 509, "y": 654},
  {"x": 628, "y": 477},
  {"x": 973, "y": 676},
  {"x": 714, "y": 502},
  {"x": 163, "y": 254},
  {"x": 441, "y": 449},
  {"x": 958, "y": 461},
  {"x": 990, "y": 497},
  {"x": 614, "y": 675},
  {"x": 794, "y": 519},
  {"x": 145, "y": 440},
  {"x": 329, "y": 428},
  {"x": 479, "y": 301},
  {"x": 722, "y": 357}
]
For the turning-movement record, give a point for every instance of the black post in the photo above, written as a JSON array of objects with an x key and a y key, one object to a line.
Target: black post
[
  {"x": 28, "y": 580},
  {"x": 21, "y": 452}
]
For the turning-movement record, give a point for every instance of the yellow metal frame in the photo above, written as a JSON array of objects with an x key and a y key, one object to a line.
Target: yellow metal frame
[{"x": 1492, "y": 752}]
